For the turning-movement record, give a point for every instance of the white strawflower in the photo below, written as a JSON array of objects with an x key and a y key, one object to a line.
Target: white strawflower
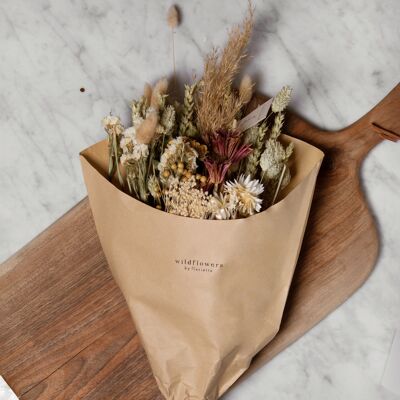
[
  {"x": 223, "y": 206},
  {"x": 110, "y": 120},
  {"x": 246, "y": 191},
  {"x": 140, "y": 150},
  {"x": 129, "y": 133},
  {"x": 131, "y": 149},
  {"x": 112, "y": 125}
]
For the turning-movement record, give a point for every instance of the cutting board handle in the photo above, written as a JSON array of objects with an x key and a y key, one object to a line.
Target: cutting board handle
[
  {"x": 384, "y": 118},
  {"x": 381, "y": 123}
]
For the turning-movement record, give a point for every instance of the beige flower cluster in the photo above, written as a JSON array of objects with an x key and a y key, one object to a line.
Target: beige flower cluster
[{"x": 184, "y": 199}]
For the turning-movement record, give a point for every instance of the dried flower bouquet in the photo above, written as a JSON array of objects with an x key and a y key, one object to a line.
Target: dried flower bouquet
[
  {"x": 193, "y": 159},
  {"x": 205, "y": 295}
]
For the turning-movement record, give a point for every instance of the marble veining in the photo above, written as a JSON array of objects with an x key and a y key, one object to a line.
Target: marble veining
[{"x": 340, "y": 56}]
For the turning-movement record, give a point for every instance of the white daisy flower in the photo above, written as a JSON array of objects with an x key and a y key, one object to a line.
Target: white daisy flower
[{"x": 139, "y": 151}]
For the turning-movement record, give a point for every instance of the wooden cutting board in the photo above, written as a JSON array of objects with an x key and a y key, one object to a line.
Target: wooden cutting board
[{"x": 65, "y": 330}]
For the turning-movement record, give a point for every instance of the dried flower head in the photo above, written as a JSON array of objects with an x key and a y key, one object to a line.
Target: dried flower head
[
  {"x": 138, "y": 108},
  {"x": 178, "y": 159},
  {"x": 224, "y": 206},
  {"x": 227, "y": 150},
  {"x": 228, "y": 146},
  {"x": 112, "y": 125},
  {"x": 132, "y": 150},
  {"x": 201, "y": 149},
  {"x": 247, "y": 192},
  {"x": 282, "y": 99},
  {"x": 185, "y": 199}
]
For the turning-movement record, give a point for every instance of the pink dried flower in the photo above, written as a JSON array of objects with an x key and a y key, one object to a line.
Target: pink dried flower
[{"x": 227, "y": 150}]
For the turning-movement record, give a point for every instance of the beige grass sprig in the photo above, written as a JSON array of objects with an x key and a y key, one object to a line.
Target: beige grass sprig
[
  {"x": 114, "y": 128},
  {"x": 277, "y": 126},
  {"x": 218, "y": 104},
  {"x": 187, "y": 125},
  {"x": 282, "y": 99},
  {"x": 256, "y": 138}
]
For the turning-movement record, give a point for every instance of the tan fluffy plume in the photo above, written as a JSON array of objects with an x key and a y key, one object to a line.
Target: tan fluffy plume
[
  {"x": 147, "y": 91},
  {"x": 173, "y": 17},
  {"x": 147, "y": 129},
  {"x": 246, "y": 89},
  {"x": 218, "y": 105},
  {"x": 160, "y": 89}
]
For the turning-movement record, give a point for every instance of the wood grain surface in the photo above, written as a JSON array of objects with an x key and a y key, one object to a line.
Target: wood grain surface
[{"x": 65, "y": 330}]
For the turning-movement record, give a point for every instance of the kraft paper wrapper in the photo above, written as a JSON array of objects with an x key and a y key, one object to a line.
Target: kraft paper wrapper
[{"x": 205, "y": 295}]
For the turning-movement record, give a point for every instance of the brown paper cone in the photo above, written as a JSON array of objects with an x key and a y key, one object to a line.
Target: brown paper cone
[{"x": 205, "y": 295}]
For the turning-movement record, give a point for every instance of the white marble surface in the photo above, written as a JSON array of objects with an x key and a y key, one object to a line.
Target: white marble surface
[
  {"x": 341, "y": 57},
  {"x": 5, "y": 391}
]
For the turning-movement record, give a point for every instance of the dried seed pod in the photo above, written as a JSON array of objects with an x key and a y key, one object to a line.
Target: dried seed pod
[{"x": 173, "y": 17}]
